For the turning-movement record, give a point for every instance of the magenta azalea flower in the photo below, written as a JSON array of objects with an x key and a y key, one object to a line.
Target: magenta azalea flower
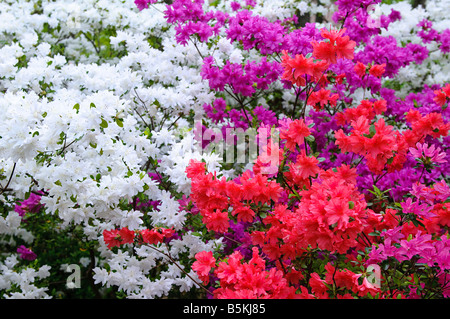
[
  {"x": 26, "y": 253},
  {"x": 427, "y": 153}
]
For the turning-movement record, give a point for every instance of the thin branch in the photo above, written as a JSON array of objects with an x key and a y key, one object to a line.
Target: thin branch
[
  {"x": 97, "y": 50},
  {"x": 195, "y": 45},
  {"x": 179, "y": 267},
  {"x": 146, "y": 109},
  {"x": 296, "y": 101},
  {"x": 170, "y": 126},
  {"x": 9, "y": 181},
  {"x": 241, "y": 103}
]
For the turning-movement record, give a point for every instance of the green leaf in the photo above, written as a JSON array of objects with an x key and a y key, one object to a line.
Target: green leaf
[
  {"x": 104, "y": 124},
  {"x": 62, "y": 135},
  {"x": 417, "y": 223},
  {"x": 119, "y": 122},
  {"x": 147, "y": 133},
  {"x": 377, "y": 190}
]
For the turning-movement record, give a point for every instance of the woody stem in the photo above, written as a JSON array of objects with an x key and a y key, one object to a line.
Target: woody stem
[{"x": 179, "y": 267}]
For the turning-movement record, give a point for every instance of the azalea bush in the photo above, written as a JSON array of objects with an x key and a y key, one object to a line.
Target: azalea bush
[{"x": 224, "y": 149}]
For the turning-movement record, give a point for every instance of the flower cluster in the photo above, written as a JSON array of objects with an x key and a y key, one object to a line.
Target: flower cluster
[
  {"x": 244, "y": 280},
  {"x": 118, "y": 237},
  {"x": 225, "y": 149},
  {"x": 214, "y": 197},
  {"x": 241, "y": 79},
  {"x": 30, "y": 205}
]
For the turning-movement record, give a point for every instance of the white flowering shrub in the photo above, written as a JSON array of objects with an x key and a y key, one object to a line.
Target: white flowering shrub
[
  {"x": 90, "y": 104},
  {"x": 97, "y": 109}
]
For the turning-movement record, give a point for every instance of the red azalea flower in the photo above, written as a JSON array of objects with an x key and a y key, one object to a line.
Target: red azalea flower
[
  {"x": 318, "y": 286},
  {"x": 337, "y": 47},
  {"x": 318, "y": 72},
  {"x": 321, "y": 98},
  {"x": 195, "y": 168},
  {"x": 296, "y": 68},
  {"x": 152, "y": 236},
  {"x": 377, "y": 70},
  {"x": 306, "y": 166},
  {"x": 440, "y": 97},
  {"x": 324, "y": 51},
  {"x": 380, "y": 106},
  {"x": 167, "y": 232},
  {"x": 301, "y": 65},
  {"x": 244, "y": 214},
  {"x": 296, "y": 133},
  {"x": 360, "y": 69},
  {"x": 204, "y": 262},
  {"x": 112, "y": 238},
  {"x": 288, "y": 66},
  {"x": 430, "y": 124},
  {"x": 217, "y": 221},
  {"x": 331, "y": 35},
  {"x": 126, "y": 235},
  {"x": 345, "y": 47},
  {"x": 446, "y": 90}
]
